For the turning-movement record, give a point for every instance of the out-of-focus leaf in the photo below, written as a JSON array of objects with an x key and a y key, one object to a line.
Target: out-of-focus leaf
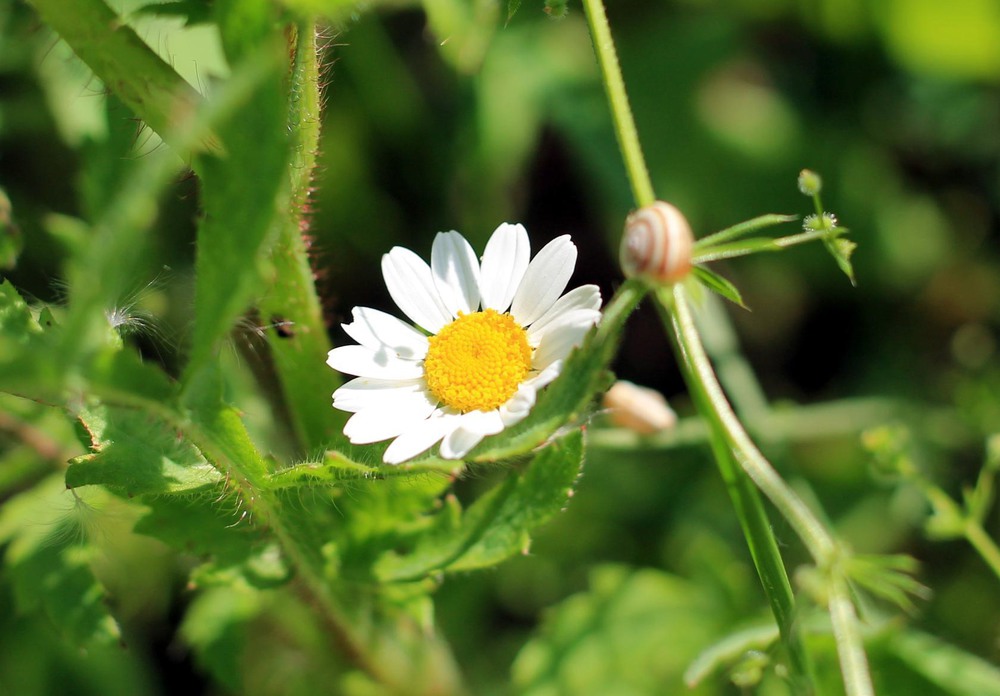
[
  {"x": 134, "y": 453},
  {"x": 192, "y": 11},
  {"x": 556, "y": 9},
  {"x": 889, "y": 578},
  {"x": 960, "y": 39},
  {"x": 242, "y": 191},
  {"x": 47, "y": 557},
  {"x": 464, "y": 29},
  {"x": 216, "y": 624},
  {"x": 951, "y": 669},
  {"x": 16, "y": 323},
  {"x": 727, "y": 651},
  {"x": 512, "y": 7},
  {"x": 632, "y": 632},
  {"x": 717, "y": 284},
  {"x": 499, "y": 524},
  {"x": 11, "y": 239},
  {"x": 841, "y": 250}
]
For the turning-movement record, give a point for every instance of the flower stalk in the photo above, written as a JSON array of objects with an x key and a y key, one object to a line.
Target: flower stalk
[{"x": 738, "y": 458}]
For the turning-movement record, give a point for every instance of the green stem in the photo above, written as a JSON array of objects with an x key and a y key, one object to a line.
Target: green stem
[
  {"x": 291, "y": 311},
  {"x": 814, "y": 535},
  {"x": 850, "y": 646},
  {"x": 706, "y": 392},
  {"x": 616, "y": 311},
  {"x": 614, "y": 84},
  {"x": 141, "y": 79},
  {"x": 982, "y": 542}
]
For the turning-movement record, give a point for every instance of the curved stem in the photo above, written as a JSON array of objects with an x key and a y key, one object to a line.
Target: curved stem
[
  {"x": 814, "y": 535},
  {"x": 850, "y": 647},
  {"x": 628, "y": 137},
  {"x": 705, "y": 392},
  {"x": 982, "y": 543}
]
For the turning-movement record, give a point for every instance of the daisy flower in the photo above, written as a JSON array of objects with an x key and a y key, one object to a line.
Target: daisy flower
[{"x": 486, "y": 338}]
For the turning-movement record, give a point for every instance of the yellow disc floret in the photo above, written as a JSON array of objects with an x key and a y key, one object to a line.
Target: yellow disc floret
[{"x": 477, "y": 361}]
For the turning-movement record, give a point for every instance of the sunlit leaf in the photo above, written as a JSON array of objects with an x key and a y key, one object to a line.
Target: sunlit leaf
[
  {"x": 499, "y": 524},
  {"x": 134, "y": 453}
]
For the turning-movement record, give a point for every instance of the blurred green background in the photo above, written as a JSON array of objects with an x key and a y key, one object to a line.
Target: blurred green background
[{"x": 447, "y": 115}]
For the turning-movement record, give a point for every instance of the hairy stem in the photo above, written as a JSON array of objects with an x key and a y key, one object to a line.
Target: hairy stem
[{"x": 614, "y": 85}]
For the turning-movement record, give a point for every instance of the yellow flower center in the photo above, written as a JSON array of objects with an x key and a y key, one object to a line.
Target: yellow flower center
[{"x": 477, "y": 361}]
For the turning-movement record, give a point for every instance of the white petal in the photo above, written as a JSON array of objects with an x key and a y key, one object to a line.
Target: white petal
[
  {"x": 544, "y": 280},
  {"x": 365, "y": 362},
  {"x": 384, "y": 332},
  {"x": 575, "y": 317},
  {"x": 362, "y": 393},
  {"x": 546, "y": 376},
  {"x": 558, "y": 341},
  {"x": 412, "y": 288},
  {"x": 374, "y": 425},
  {"x": 419, "y": 438},
  {"x": 583, "y": 297},
  {"x": 519, "y": 405},
  {"x": 455, "y": 270},
  {"x": 471, "y": 430},
  {"x": 504, "y": 263}
]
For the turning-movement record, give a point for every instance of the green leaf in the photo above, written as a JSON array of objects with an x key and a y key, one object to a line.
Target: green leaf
[
  {"x": 889, "y": 578},
  {"x": 631, "y": 632},
  {"x": 731, "y": 250},
  {"x": 742, "y": 229},
  {"x": 336, "y": 468},
  {"x": 135, "y": 453},
  {"x": 241, "y": 192},
  {"x": 215, "y": 625},
  {"x": 951, "y": 669},
  {"x": 841, "y": 250},
  {"x": 728, "y": 651},
  {"x": 17, "y": 325},
  {"x": 11, "y": 239},
  {"x": 512, "y": 7},
  {"x": 149, "y": 86},
  {"x": 48, "y": 560},
  {"x": 193, "y": 11},
  {"x": 499, "y": 524},
  {"x": 717, "y": 284}
]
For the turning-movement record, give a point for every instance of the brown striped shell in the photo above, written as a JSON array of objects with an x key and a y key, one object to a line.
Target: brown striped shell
[{"x": 657, "y": 244}]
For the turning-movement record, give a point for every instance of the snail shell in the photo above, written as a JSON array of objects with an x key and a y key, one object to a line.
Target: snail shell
[
  {"x": 640, "y": 409},
  {"x": 657, "y": 244}
]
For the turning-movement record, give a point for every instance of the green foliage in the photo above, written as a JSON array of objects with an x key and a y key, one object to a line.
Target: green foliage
[
  {"x": 48, "y": 557},
  {"x": 195, "y": 193}
]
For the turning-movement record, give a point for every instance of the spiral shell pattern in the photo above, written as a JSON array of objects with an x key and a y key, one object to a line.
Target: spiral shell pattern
[{"x": 657, "y": 244}]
